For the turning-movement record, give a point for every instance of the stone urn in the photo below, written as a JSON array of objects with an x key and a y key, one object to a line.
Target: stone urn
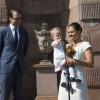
[{"x": 44, "y": 40}]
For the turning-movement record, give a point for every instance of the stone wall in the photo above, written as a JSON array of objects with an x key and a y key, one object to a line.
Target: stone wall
[{"x": 65, "y": 11}]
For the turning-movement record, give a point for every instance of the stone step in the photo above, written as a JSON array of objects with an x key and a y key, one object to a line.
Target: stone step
[{"x": 46, "y": 98}]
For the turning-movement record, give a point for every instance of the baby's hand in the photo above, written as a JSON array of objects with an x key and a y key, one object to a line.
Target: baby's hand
[{"x": 57, "y": 41}]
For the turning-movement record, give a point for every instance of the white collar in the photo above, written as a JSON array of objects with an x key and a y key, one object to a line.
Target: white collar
[{"x": 12, "y": 27}]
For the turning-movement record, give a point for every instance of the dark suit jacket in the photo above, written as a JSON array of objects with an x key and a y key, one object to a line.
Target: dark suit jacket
[{"x": 9, "y": 54}]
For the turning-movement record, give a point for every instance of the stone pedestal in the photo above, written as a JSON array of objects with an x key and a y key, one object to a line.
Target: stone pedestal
[{"x": 46, "y": 81}]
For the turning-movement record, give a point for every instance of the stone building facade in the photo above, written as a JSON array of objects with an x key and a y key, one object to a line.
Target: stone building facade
[
  {"x": 87, "y": 13},
  {"x": 57, "y": 13}
]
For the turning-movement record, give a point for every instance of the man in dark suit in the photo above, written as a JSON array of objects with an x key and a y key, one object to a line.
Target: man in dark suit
[{"x": 13, "y": 47}]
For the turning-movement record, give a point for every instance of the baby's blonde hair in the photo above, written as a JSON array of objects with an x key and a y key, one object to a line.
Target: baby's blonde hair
[{"x": 55, "y": 30}]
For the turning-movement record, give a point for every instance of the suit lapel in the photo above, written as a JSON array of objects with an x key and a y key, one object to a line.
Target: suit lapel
[
  {"x": 20, "y": 37},
  {"x": 11, "y": 35}
]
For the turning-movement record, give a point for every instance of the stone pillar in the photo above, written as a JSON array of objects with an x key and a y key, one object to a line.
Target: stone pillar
[{"x": 46, "y": 81}]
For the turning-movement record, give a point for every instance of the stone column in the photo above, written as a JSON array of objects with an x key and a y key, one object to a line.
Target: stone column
[{"x": 46, "y": 81}]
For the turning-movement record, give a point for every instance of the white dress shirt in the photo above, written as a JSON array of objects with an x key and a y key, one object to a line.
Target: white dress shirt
[{"x": 13, "y": 31}]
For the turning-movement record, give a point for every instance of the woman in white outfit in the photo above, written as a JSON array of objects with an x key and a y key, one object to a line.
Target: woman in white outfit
[{"x": 82, "y": 58}]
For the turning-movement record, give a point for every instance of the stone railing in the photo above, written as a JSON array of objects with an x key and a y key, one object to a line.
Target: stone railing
[
  {"x": 93, "y": 77},
  {"x": 89, "y": 11},
  {"x": 85, "y": 37},
  {"x": 3, "y": 13}
]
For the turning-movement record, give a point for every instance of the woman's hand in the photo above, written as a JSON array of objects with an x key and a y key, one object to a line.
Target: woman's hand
[{"x": 70, "y": 61}]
